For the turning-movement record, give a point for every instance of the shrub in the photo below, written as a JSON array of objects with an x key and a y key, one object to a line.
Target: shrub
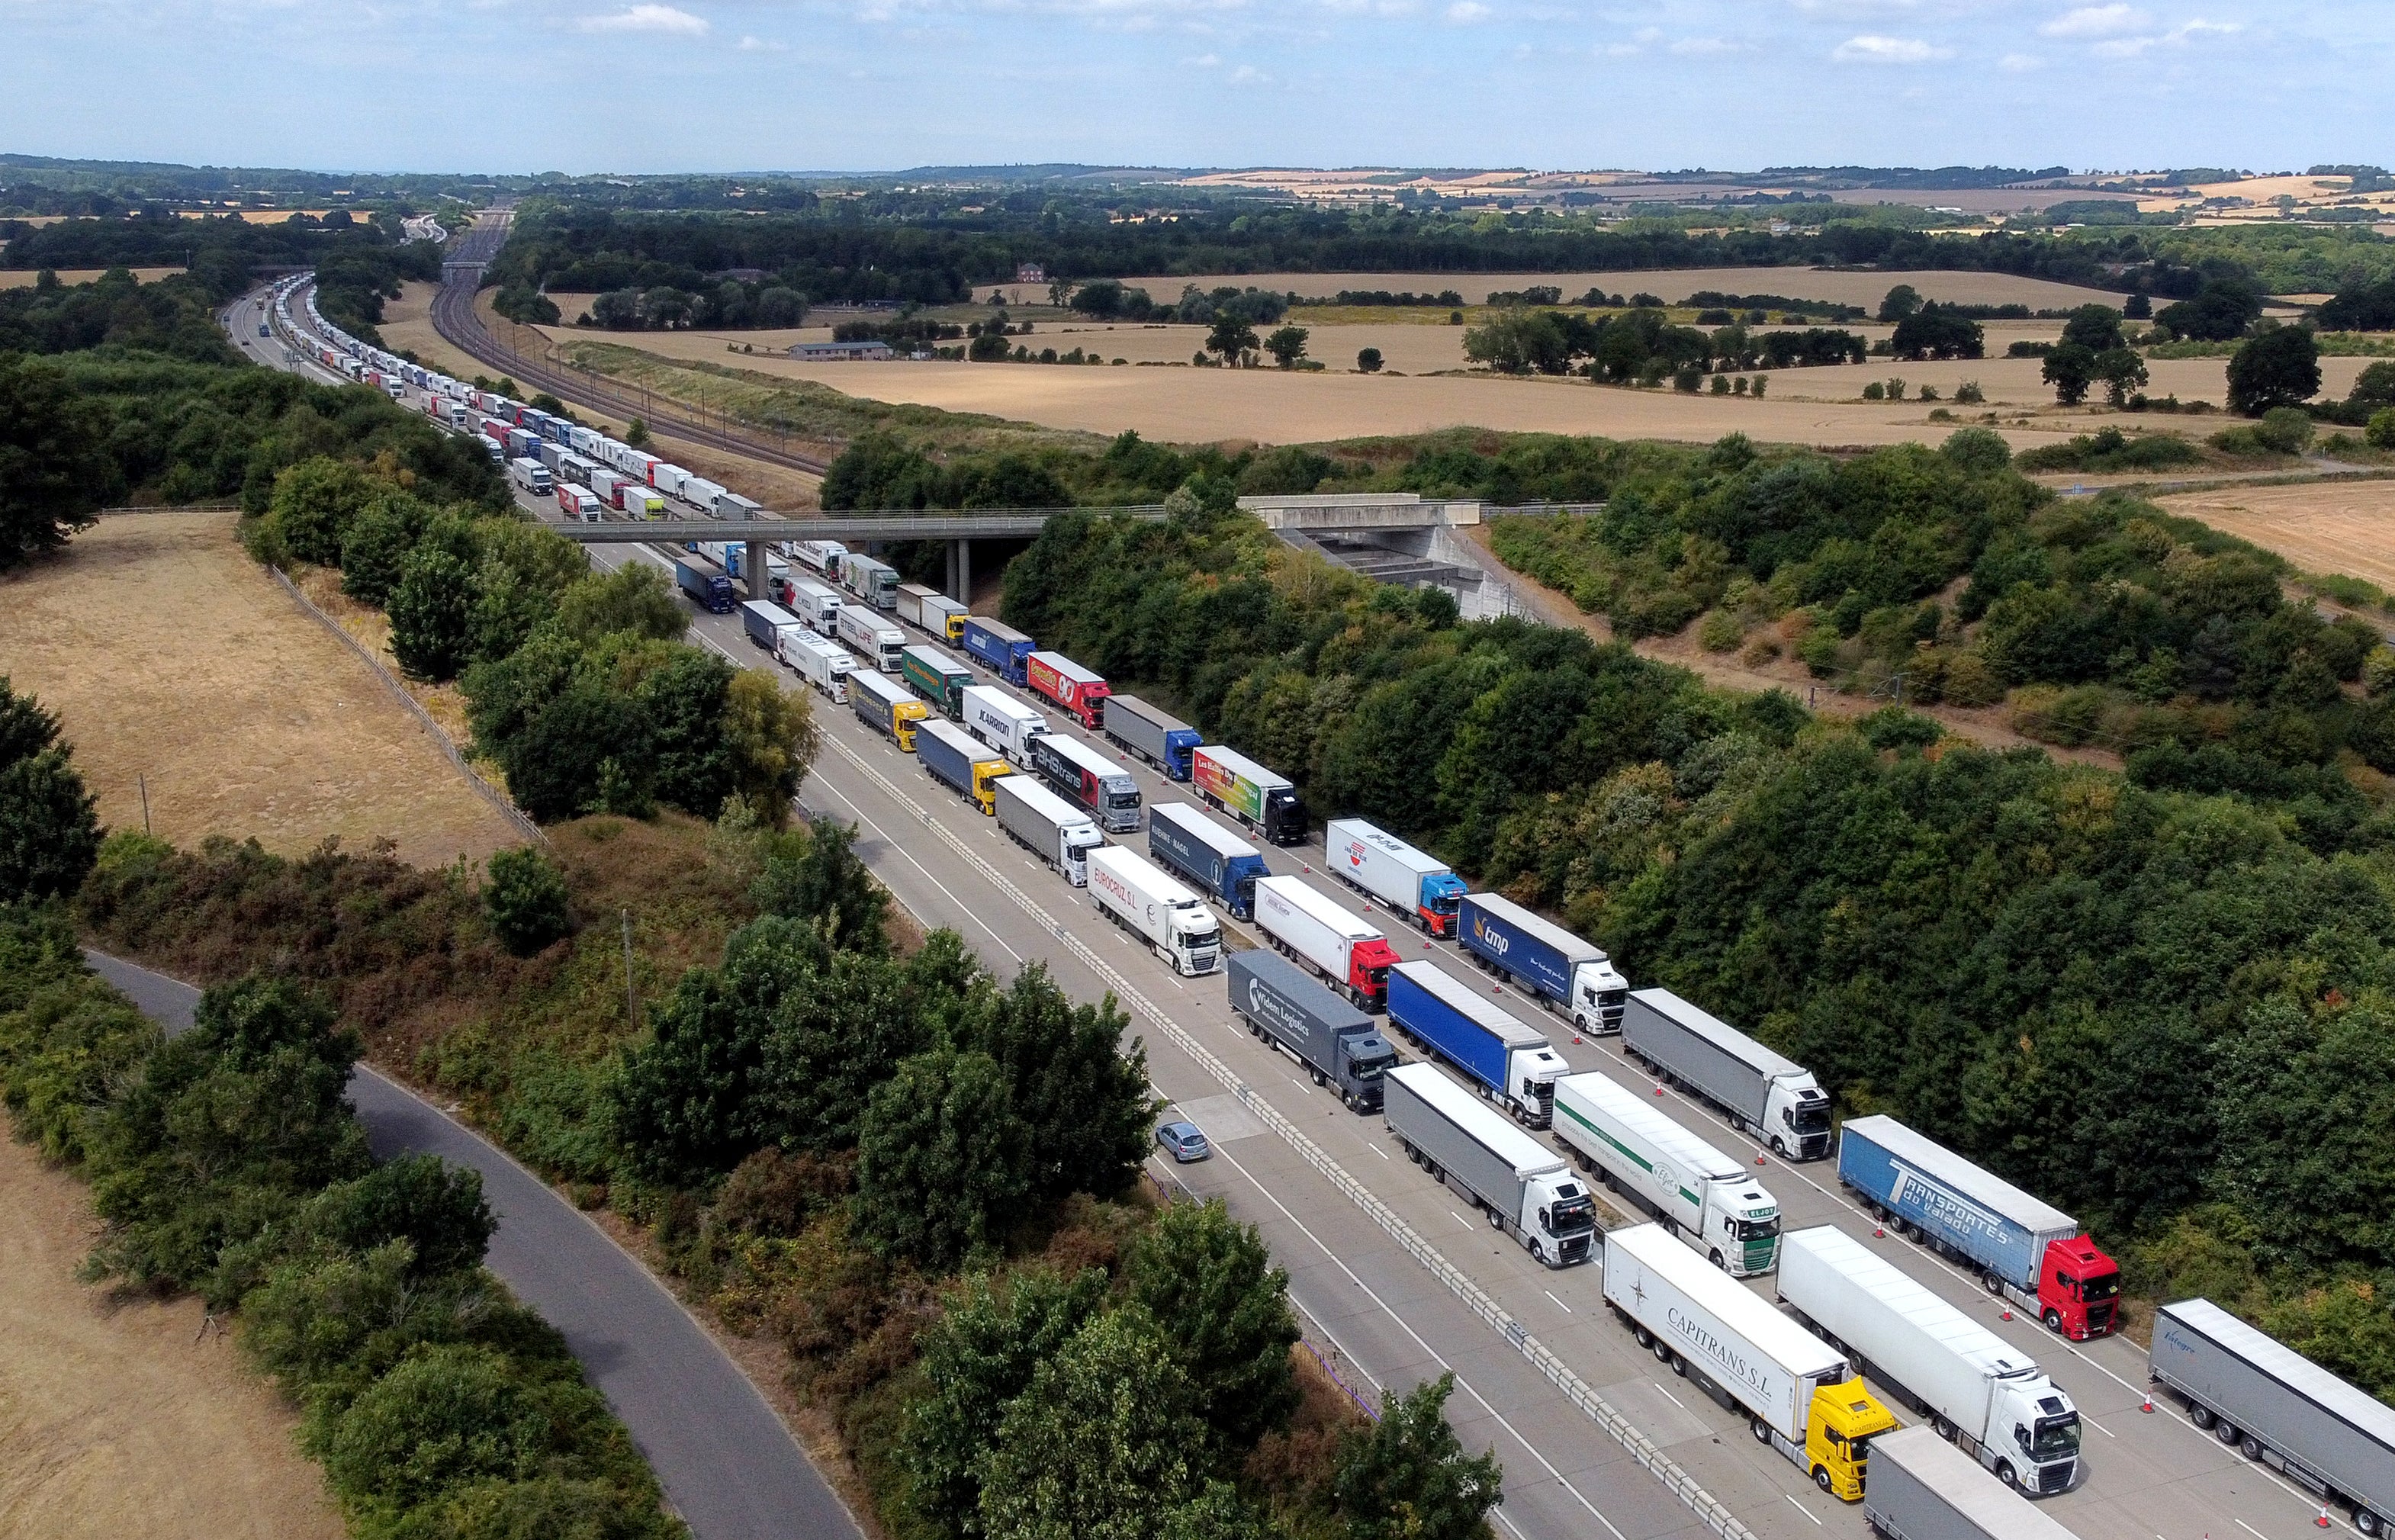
[
  {"x": 525, "y": 901},
  {"x": 2381, "y": 432},
  {"x": 2285, "y": 429},
  {"x": 1721, "y": 631}
]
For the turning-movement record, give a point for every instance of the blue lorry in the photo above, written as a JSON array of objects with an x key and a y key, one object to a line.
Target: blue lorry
[
  {"x": 999, "y": 648},
  {"x": 1505, "y": 1058},
  {"x": 703, "y": 587},
  {"x": 1222, "y": 866},
  {"x": 1340, "y": 1045},
  {"x": 1543, "y": 959}
]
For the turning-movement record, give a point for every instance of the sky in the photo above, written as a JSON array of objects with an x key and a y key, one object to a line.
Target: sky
[{"x": 657, "y": 85}]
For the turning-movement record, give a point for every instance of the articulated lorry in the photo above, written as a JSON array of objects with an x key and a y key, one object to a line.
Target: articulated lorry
[
  {"x": 1506, "y": 1059},
  {"x": 1224, "y": 866},
  {"x": 1797, "y": 1393},
  {"x": 2278, "y": 1407},
  {"x": 1298, "y": 922},
  {"x": 936, "y": 677},
  {"x": 820, "y": 557},
  {"x": 1129, "y": 889},
  {"x": 1542, "y": 960},
  {"x": 1160, "y": 738},
  {"x": 869, "y": 634},
  {"x": 815, "y": 604},
  {"x": 2029, "y": 1252},
  {"x": 1975, "y": 1388},
  {"x": 874, "y": 582},
  {"x": 957, "y": 761},
  {"x": 1525, "y": 1189},
  {"x": 1338, "y": 1045},
  {"x": 886, "y": 706},
  {"x": 765, "y": 621},
  {"x": 1765, "y": 1095},
  {"x": 1695, "y": 1191},
  {"x": 710, "y": 590},
  {"x": 1079, "y": 773},
  {"x": 1058, "y": 680},
  {"x": 1922, "y": 1488},
  {"x": 1003, "y": 722},
  {"x": 1046, "y": 825},
  {"x": 999, "y": 648},
  {"x": 1231, "y": 783},
  {"x": 819, "y": 660},
  {"x": 1422, "y": 889},
  {"x": 929, "y": 610}
]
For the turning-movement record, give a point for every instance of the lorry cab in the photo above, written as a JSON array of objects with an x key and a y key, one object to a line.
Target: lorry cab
[
  {"x": 2044, "y": 1430},
  {"x": 2079, "y": 1290},
  {"x": 1531, "y": 1097},
  {"x": 1442, "y": 896},
  {"x": 1368, "y": 979},
  {"x": 1797, "y": 1122},
  {"x": 1837, "y": 1437},
  {"x": 1745, "y": 1231},
  {"x": 985, "y": 773},
  {"x": 1564, "y": 1218}
]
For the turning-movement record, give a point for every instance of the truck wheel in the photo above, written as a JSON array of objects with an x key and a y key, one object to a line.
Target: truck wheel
[
  {"x": 2054, "y": 1320},
  {"x": 2250, "y": 1446},
  {"x": 1944, "y": 1428},
  {"x": 1778, "y": 1147},
  {"x": 1714, "y": 1257},
  {"x": 1679, "y": 1366},
  {"x": 1661, "y": 1349},
  {"x": 1496, "y": 1220},
  {"x": 2225, "y": 1434},
  {"x": 2200, "y": 1415},
  {"x": 2004, "y": 1473},
  {"x": 1761, "y": 1430},
  {"x": 2369, "y": 1523},
  {"x": 1538, "y": 1253},
  {"x": 1821, "y": 1477}
]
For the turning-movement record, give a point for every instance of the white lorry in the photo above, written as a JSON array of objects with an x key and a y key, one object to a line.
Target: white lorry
[
  {"x": 1351, "y": 954},
  {"x": 1698, "y": 1193},
  {"x": 1795, "y": 1392},
  {"x": 1523, "y": 1187},
  {"x": 1922, "y": 1489},
  {"x": 1975, "y": 1388},
  {"x": 1046, "y": 825},
  {"x": 864, "y": 632},
  {"x": 1176, "y": 925},
  {"x": 1421, "y": 888},
  {"x": 819, "y": 660},
  {"x": 815, "y": 604},
  {"x": 1003, "y": 722}
]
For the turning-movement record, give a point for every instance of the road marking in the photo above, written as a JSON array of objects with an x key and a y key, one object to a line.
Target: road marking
[
  {"x": 2097, "y": 1426},
  {"x": 1378, "y": 1151},
  {"x": 1461, "y": 1220},
  {"x": 2249, "y": 1529},
  {"x": 1802, "y": 1508},
  {"x": 1667, "y": 1395},
  {"x": 1560, "y": 1305}
]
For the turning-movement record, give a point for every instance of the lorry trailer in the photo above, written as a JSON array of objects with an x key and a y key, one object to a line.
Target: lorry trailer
[
  {"x": 928, "y": 609},
  {"x": 1161, "y": 739},
  {"x": 578, "y": 503},
  {"x": 819, "y": 660},
  {"x": 1542, "y": 960},
  {"x": 1422, "y": 889},
  {"x": 873, "y": 581},
  {"x": 815, "y": 605},
  {"x": 2280, "y": 1408},
  {"x": 1921, "y": 1488},
  {"x": 1505, "y": 1058},
  {"x": 709, "y": 590},
  {"x": 999, "y": 648},
  {"x": 1765, "y": 1095},
  {"x": 2028, "y": 1251},
  {"x": 1338, "y": 1045},
  {"x": 1692, "y": 1190},
  {"x": 1003, "y": 722},
  {"x": 1058, "y": 680},
  {"x": 1523, "y": 1187},
  {"x": 1046, "y": 825},
  {"x": 1233, "y": 784},
  {"x": 1224, "y": 866},
  {"x": 732, "y": 505},
  {"x": 1079, "y": 773},
  {"x": 1350, "y": 953},
  {"x": 764, "y": 621},
  {"x": 639, "y": 499},
  {"x": 867, "y": 634},
  {"x": 1797, "y": 1393},
  {"x": 954, "y": 757},
  {"x": 886, "y": 706},
  {"x": 699, "y": 493},
  {"x": 937, "y": 678},
  {"x": 529, "y": 476},
  {"x": 1975, "y": 1387},
  {"x": 820, "y": 557},
  {"x": 1131, "y": 891}
]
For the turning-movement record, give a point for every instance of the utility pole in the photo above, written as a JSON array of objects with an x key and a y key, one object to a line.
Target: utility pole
[
  {"x": 144, "y": 781},
  {"x": 632, "y": 1000}
]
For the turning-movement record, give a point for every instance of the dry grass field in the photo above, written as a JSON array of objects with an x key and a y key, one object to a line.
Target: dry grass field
[
  {"x": 172, "y": 656},
  {"x": 119, "y": 1418},
  {"x": 25, "y": 278},
  {"x": 2322, "y": 527},
  {"x": 1673, "y": 286},
  {"x": 407, "y": 327}
]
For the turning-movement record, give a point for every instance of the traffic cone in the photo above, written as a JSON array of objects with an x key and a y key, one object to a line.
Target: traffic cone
[
  {"x": 1879, "y": 1232},
  {"x": 2322, "y": 1520},
  {"x": 1758, "y": 1156},
  {"x": 2008, "y": 1315},
  {"x": 1575, "y": 1040},
  {"x": 2148, "y": 1405},
  {"x": 1658, "y": 1090}
]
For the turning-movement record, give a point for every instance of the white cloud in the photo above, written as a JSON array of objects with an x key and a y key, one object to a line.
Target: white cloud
[
  {"x": 1872, "y": 48},
  {"x": 1698, "y": 48},
  {"x": 759, "y": 44},
  {"x": 1204, "y": 61},
  {"x": 2098, "y": 21},
  {"x": 2019, "y": 64},
  {"x": 1468, "y": 11},
  {"x": 648, "y": 18},
  {"x": 2177, "y": 37},
  {"x": 1247, "y": 75}
]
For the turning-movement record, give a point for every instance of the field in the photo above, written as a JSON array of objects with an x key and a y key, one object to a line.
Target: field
[
  {"x": 2322, "y": 527},
  {"x": 172, "y": 658},
  {"x": 26, "y": 277},
  {"x": 1673, "y": 286},
  {"x": 121, "y": 1419}
]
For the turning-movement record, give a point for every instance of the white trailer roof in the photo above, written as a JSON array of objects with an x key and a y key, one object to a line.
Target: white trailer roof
[
  {"x": 1739, "y": 1307},
  {"x": 1650, "y": 1122},
  {"x": 1086, "y": 758},
  {"x": 1357, "y": 829},
  {"x": 1892, "y": 1286},
  {"x": 1984, "y": 1188},
  {"x": 997, "y": 701},
  {"x": 1547, "y": 930},
  {"x": 2370, "y": 1415},
  {"x": 1143, "y": 877},
  {"x": 1486, "y": 1126},
  {"x": 1720, "y": 1033},
  {"x": 1325, "y": 912},
  {"x": 1465, "y": 1001},
  {"x": 822, "y": 646},
  {"x": 1991, "y": 1507}
]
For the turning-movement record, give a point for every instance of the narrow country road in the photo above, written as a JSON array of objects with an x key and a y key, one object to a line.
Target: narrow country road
[{"x": 728, "y": 1466}]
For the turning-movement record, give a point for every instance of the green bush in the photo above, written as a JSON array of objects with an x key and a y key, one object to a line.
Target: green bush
[
  {"x": 526, "y": 900},
  {"x": 2285, "y": 429}
]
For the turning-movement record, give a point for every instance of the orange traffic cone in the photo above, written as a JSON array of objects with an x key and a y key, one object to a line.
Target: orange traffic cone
[
  {"x": 2149, "y": 1404},
  {"x": 1879, "y": 1232},
  {"x": 2322, "y": 1520},
  {"x": 1758, "y": 1156},
  {"x": 2008, "y": 1315},
  {"x": 1658, "y": 1090}
]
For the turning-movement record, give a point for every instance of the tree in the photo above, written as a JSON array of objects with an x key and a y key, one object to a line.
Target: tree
[
  {"x": 1084, "y": 1103},
  {"x": 769, "y": 739},
  {"x": 1975, "y": 451},
  {"x": 2374, "y": 388},
  {"x": 445, "y": 1417},
  {"x": 1287, "y": 345},
  {"x": 2094, "y": 327},
  {"x": 1900, "y": 301},
  {"x": 2280, "y": 368},
  {"x": 1232, "y": 338},
  {"x": 436, "y": 1208},
  {"x": 2122, "y": 371},
  {"x": 1935, "y": 331},
  {"x": 1407, "y": 1477},
  {"x": 780, "y": 306},
  {"x": 433, "y": 616},
  {"x": 377, "y": 543},
  {"x": 636, "y": 433},
  {"x": 50, "y": 828},
  {"x": 313, "y": 503},
  {"x": 943, "y": 1163},
  {"x": 526, "y": 901},
  {"x": 881, "y": 471},
  {"x": 1368, "y": 360},
  {"x": 1100, "y": 1446},
  {"x": 54, "y": 464},
  {"x": 835, "y": 1040},
  {"x": 2138, "y": 308},
  {"x": 829, "y": 884},
  {"x": 2221, "y": 313},
  {"x": 1520, "y": 341},
  {"x": 1211, "y": 1283},
  {"x": 2069, "y": 370},
  {"x": 585, "y": 750},
  {"x": 633, "y": 598}
]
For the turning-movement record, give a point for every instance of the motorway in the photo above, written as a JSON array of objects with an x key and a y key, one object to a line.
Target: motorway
[{"x": 1354, "y": 1223}]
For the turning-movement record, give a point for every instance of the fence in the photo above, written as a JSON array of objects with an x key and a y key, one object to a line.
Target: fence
[{"x": 399, "y": 691}]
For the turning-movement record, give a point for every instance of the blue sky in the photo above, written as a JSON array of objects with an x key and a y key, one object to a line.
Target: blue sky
[{"x": 876, "y": 85}]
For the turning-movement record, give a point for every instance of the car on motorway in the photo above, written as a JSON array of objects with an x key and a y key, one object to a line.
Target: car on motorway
[{"x": 1183, "y": 1140}]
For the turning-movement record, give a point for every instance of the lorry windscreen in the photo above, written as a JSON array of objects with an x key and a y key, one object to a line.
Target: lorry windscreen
[
  {"x": 1572, "y": 1216},
  {"x": 1119, "y": 800},
  {"x": 1375, "y": 1069},
  {"x": 1753, "y": 1229},
  {"x": 1813, "y": 1118},
  {"x": 2056, "y": 1437},
  {"x": 2104, "y": 1286},
  {"x": 1201, "y": 941}
]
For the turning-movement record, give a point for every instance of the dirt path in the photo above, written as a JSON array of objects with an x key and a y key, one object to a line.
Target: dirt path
[
  {"x": 1983, "y": 725},
  {"x": 119, "y": 1420}
]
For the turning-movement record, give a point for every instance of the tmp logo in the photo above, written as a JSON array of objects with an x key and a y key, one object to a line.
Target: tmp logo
[{"x": 1496, "y": 941}]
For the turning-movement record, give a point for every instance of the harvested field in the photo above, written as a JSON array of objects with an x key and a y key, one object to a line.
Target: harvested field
[
  {"x": 120, "y": 1419},
  {"x": 26, "y": 277},
  {"x": 407, "y": 327},
  {"x": 2324, "y": 526},
  {"x": 172, "y": 656},
  {"x": 1673, "y": 286}
]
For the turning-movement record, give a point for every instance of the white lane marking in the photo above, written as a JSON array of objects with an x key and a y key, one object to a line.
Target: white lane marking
[
  {"x": 1378, "y": 1151},
  {"x": 2249, "y": 1529},
  {"x": 2097, "y": 1426},
  {"x": 1667, "y": 1395},
  {"x": 1461, "y": 1220},
  {"x": 1802, "y": 1509},
  {"x": 1560, "y": 1305}
]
